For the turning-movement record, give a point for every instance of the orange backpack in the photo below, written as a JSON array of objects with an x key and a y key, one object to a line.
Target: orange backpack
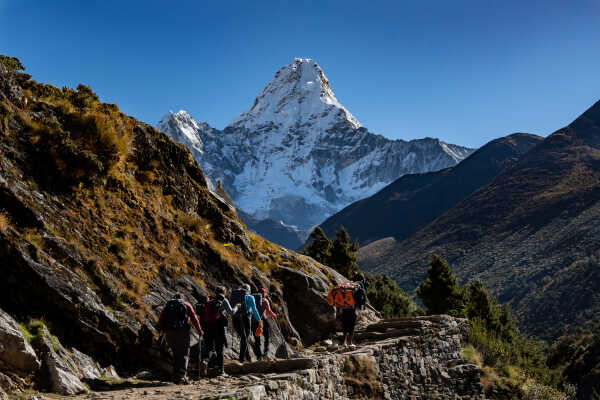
[{"x": 342, "y": 295}]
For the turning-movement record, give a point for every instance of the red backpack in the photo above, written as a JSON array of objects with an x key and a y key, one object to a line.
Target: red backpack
[
  {"x": 210, "y": 309},
  {"x": 346, "y": 294}
]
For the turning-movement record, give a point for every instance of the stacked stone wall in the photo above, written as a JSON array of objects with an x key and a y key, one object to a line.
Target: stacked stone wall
[{"x": 426, "y": 364}]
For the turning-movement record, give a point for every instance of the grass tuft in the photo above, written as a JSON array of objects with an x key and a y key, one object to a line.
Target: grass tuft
[{"x": 4, "y": 221}]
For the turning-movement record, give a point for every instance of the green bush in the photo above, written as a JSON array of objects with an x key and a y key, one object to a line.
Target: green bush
[{"x": 12, "y": 63}]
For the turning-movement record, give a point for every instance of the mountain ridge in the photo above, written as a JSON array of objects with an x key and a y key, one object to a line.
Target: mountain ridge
[
  {"x": 413, "y": 200},
  {"x": 532, "y": 229}
]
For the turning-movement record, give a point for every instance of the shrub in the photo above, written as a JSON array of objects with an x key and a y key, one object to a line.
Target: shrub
[{"x": 12, "y": 63}]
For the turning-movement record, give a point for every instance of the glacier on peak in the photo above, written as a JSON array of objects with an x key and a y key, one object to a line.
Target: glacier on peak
[{"x": 298, "y": 156}]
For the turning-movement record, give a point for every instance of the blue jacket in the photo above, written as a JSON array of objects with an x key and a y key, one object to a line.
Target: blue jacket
[{"x": 251, "y": 306}]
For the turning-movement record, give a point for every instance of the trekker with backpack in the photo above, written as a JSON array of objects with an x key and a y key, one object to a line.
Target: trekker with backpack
[
  {"x": 242, "y": 319},
  {"x": 348, "y": 297},
  {"x": 212, "y": 313},
  {"x": 175, "y": 321},
  {"x": 265, "y": 313}
]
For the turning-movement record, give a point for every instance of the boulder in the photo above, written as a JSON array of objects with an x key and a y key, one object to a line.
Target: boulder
[
  {"x": 16, "y": 354},
  {"x": 309, "y": 312},
  {"x": 85, "y": 365},
  {"x": 59, "y": 366}
]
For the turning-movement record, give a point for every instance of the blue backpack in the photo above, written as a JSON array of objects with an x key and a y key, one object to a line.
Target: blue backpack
[{"x": 175, "y": 315}]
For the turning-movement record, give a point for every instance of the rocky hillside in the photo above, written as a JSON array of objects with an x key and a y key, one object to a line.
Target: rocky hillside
[
  {"x": 297, "y": 155},
  {"x": 530, "y": 236},
  {"x": 412, "y": 201},
  {"x": 102, "y": 219}
]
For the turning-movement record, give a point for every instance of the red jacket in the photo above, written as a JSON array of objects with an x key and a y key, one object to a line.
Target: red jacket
[
  {"x": 266, "y": 306},
  {"x": 192, "y": 319}
]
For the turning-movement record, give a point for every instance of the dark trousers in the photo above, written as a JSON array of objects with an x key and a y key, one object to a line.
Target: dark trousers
[
  {"x": 241, "y": 324},
  {"x": 214, "y": 342},
  {"x": 266, "y": 333},
  {"x": 179, "y": 342}
]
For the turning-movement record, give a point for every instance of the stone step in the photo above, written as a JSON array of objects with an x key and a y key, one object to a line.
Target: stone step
[
  {"x": 384, "y": 325},
  {"x": 392, "y": 333},
  {"x": 269, "y": 366}
]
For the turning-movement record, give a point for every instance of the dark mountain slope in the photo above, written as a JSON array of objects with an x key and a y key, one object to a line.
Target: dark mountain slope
[
  {"x": 412, "y": 201},
  {"x": 528, "y": 235}
]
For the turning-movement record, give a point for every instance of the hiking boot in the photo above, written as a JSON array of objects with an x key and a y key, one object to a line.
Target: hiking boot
[
  {"x": 204, "y": 369},
  {"x": 223, "y": 374}
]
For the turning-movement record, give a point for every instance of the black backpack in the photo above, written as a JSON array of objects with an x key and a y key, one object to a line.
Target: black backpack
[
  {"x": 360, "y": 296},
  {"x": 238, "y": 296},
  {"x": 258, "y": 299},
  {"x": 175, "y": 315}
]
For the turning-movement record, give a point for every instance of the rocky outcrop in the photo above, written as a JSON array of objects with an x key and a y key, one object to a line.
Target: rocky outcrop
[{"x": 16, "y": 354}]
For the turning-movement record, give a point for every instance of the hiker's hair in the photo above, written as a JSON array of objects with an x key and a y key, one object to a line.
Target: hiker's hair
[
  {"x": 178, "y": 296},
  {"x": 246, "y": 287},
  {"x": 221, "y": 290}
]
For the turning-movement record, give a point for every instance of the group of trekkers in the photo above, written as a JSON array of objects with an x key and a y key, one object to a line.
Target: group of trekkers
[{"x": 250, "y": 315}]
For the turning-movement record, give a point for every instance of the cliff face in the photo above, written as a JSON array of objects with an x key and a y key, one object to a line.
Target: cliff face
[{"x": 103, "y": 218}]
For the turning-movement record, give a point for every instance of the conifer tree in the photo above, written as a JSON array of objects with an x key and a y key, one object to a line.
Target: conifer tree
[
  {"x": 319, "y": 247},
  {"x": 343, "y": 254},
  {"x": 440, "y": 292}
]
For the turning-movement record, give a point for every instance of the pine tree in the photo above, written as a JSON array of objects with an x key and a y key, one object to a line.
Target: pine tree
[
  {"x": 319, "y": 247},
  {"x": 440, "y": 292},
  {"x": 343, "y": 254}
]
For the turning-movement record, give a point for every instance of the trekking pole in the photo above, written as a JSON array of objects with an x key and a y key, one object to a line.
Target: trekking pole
[{"x": 199, "y": 357}]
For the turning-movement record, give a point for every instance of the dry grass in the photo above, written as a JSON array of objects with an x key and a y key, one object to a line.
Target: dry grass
[
  {"x": 360, "y": 372},
  {"x": 470, "y": 354},
  {"x": 4, "y": 221}
]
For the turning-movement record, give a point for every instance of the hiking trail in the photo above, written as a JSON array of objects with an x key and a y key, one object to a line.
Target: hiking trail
[{"x": 407, "y": 358}]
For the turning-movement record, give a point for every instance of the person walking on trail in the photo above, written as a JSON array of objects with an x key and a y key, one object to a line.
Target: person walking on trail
[
  {"x": 265, "y": 313},
  {"x": 242, "y": 320},
  {"x": 213, "y": 316},
  {"x": 349, "y": 298},
  {"x": 176, "y": 320}
]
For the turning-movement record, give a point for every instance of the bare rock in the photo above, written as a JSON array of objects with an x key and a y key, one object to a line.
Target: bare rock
[
  {"x": 7, "y": 384},
  {"x": 60, "y": 367},
  {"x": 16, "y": 354}
]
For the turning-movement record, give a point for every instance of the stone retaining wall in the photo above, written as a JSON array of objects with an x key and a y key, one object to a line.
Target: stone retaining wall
[{"x": 425, "y": 365}]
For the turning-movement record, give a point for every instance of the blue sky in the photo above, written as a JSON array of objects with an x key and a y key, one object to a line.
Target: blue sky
[{"x": 464, "y": 71}]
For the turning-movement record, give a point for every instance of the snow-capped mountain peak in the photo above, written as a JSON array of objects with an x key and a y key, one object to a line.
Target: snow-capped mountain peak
[
  {"x": 299, "y": 94},
  {"x": 186, "y": 129},
  {"x": 298, "y": 156}
]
